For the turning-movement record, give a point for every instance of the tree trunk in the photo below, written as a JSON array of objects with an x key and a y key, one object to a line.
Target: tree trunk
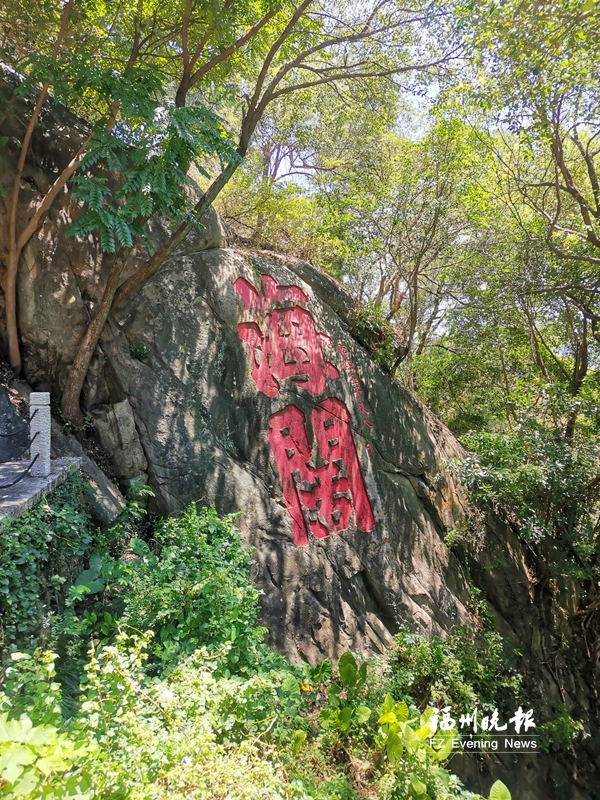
[
  {"x": 156, "y": 261},
  {"x": 18, "y": 242},
  {"x": 111, "y": 297},
  {"x": 182, "y": 90},
  {"x": 10, "y": 299},
  {"x": 70, "y": 399}
]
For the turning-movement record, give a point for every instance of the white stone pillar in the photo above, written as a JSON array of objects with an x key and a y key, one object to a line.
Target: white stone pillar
[{"x": 39, "y": 404}]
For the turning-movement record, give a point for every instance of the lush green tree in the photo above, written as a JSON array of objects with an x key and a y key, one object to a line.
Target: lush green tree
[
  {"x": 403, "y": 212},
  {"x": 513, "y": 372},
  {"x": 273, "y": 201},
  {"x": 533, "y": 86},
  {"x": 107, "y": 57},
  {"x": 269, "y": 203},
  {"x": 388, "y": 214}
]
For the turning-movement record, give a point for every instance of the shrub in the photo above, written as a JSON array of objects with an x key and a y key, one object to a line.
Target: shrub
[
  {"x": 467, "y": 669},
  {"x": 194, "y": 590},
  {"x": 179, "y": 698},
  {"x": 370, "y": 327},
  {"x": 39, "y": 554}
]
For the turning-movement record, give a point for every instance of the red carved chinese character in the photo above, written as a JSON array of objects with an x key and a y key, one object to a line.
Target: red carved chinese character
[
  {"x": 324, "y": 486},
  {"x": 271, "y": 294},
  {"x": 286, "y": 344}
]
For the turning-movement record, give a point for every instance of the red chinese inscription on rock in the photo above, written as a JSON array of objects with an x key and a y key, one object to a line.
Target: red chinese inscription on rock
[
  {"x": 323, "y": 485},
  {"x": 286, "y": 343}
]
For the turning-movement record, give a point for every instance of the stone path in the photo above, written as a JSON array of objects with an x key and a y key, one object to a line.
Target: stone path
[{"x": 24, "y": 494}]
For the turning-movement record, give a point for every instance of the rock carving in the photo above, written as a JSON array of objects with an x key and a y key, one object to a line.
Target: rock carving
[
  {"x": 286, "y": 345},
  {"x": 320, "y": 499},
  {"x": 322, "y": 485}
]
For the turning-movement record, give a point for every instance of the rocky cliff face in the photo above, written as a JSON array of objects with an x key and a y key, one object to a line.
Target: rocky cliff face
[
  {"x": 255, "y": 398},
  {"x": 231, "y": 378}
]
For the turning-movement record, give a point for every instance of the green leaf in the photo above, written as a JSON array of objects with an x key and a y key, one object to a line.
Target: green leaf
[
  {"x": 363, "y": 714},
  {"x": 401, "y": 711},
  {"x": 418, "y": 786},
  {"x": 298, "y": 739},
  {"x": 123, "y": 232},
  {"x": 499, "y": 792},
  {"x": 387, "y": 719},
  {"x": 442, "y": 775},
  {"x": 11, "y": 772},
  {"x": 27, "y": 785},
  {"x": 388, "y": 704},
  {"x": 139, "y": 547},
  {"x": 329, "y": 718},
  {"x": 290, "y": 685},
  {"x": 41, "y": 734},
  {"x": 362, "y": 674},
  {"x": 96, "y": 564},
  {"x": 345, "y": 718},
  {"x": 411, "y": 740},
  {"x": 12, "y": 763},
  {"x": 89, "y": 578},
  {"x": 394, "y": 748},
  {"x": 446, "y": 748},
  {"x": 52, "y": 763},
  {"x": 347, "y": 658},
  {"x": 93, "y": 587},
  {"x": 348, "y": 670},
  {"x": 10, "y": 730},
  {"x": 349, "y": 676}
]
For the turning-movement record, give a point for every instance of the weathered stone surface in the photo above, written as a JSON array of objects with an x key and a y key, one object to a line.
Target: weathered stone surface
[
  {"x": 104, "y": 499},
  {"x": 203, "y": 426},
  {"x": 208, "y": 236},
  {"x": 118, "y": 436},
  {"x": 14, "y": 430}
]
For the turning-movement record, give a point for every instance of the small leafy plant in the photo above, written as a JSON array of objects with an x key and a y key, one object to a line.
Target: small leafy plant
[
  {"x": 69, "y": 427},
  {"x": 370, "y": 327},
  {"x": 40, "y": 761},
  {"x": 141, "y": 352},
  {"x": 559, "y": 733},
  {"x": 345, "y": 711}
]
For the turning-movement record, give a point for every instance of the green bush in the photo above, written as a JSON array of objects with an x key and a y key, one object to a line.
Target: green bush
[
  {"x": 39, "y": 554},
  {"x": 178, "y": 697},
  {"x": 194, "y": 590},
  {"x": 465, "y": 670},
  {"x": 559, "y": 733},
  {"x": 372, "y": 329},
  {"x": 542, "y": 477},
  {"x": 281, "y": 733}
]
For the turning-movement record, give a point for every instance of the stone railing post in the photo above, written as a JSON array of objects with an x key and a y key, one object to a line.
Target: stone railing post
[{"x": 39, "y": 404}]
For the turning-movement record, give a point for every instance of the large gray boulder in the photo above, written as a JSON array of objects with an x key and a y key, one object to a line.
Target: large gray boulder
[{"x": 337, "y": 572}]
